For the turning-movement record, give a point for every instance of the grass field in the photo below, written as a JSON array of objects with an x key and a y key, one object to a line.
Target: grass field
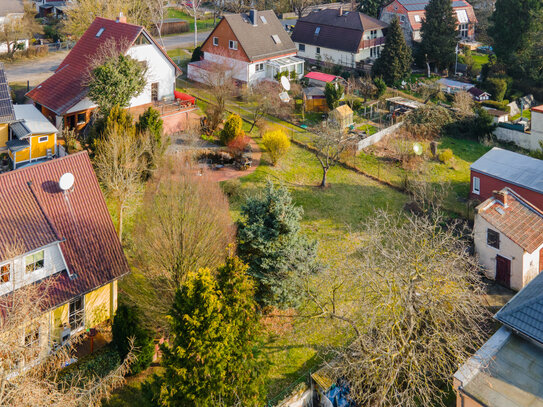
[
  {"x": 456, "y": 172},
  {"x": 202, "y": 24}
]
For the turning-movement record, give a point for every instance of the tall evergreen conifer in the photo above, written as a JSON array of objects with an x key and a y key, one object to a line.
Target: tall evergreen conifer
[
  {"x": 394, "y": 63},
  {"x": 439, "y": 35}
]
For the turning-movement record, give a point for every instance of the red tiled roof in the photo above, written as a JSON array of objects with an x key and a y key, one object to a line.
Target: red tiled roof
[
  {"x": 520, "y": 221},
  {"x": 42, "y": 214},
  {"x": 538, "y": 109},
  {"x": 67, "y": 85},
  {"x": 320, "y": 76}
]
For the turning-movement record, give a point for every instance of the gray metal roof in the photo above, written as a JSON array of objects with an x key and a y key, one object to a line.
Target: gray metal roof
[
  {"x": 506, "y": 372},
  {"x": 16, "y": 145},
  {"x": 257, "y": 41},
  {"x": 524, "y": 312},
  {"x": 511, "y": 167},
  {"x": 6, "y": 107}
]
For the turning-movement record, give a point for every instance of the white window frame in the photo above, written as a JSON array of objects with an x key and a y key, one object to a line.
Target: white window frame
[
  {"x": 35, "y": 269},
  {"x": 463, "y": 30},
  {"x": 233, "y": 45},
  {"x": 476, "y": 181},
  {"x": 82, "y": 312},
  {"x": 417, "y": 18},
  {"x": 259, "y": 67},
  {"x": 9, "y": 272},
  {"x": 216, "y": 41},
  {"x": 301, "y": 47},
  {"x": 43, "y": 139}
]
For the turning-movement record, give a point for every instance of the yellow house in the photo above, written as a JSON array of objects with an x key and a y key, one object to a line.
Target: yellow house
[
  {"x": 55, "y": 216},
  {"x": 31, "y": 136}
]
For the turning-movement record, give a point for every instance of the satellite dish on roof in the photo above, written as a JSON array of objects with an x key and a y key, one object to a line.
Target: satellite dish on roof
[
  {"x": 66, "y": 181},
  {"x": 285, "y": 82}
]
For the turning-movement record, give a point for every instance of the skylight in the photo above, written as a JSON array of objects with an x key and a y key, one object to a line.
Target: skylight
[
  {"x": 317, "y": 30},
  {"x": 276, "y": 39},
  {"x": 100, "y": 31},
  {"x": 263, "y": 19}
]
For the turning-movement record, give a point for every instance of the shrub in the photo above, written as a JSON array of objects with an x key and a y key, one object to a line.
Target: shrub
[
  {"x": 126, "y": 325},
  {"x": 497, "y": 105},
  {"x": 237, "y": 146},
  {"x": 90, "y": 367},
  {"x": 197, "y": 54},
  {"x": 381, "y": 86},
  {"x": 496, "y": 87},
  {"x": 232, "y": 129},
  {"x": 445, "y": 156},
  {"x": 277, "y": 144},
  {"x": 231, "y": 188}
]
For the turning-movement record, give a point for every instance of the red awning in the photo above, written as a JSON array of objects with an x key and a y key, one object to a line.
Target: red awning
[{"x": 183, "y": 96}]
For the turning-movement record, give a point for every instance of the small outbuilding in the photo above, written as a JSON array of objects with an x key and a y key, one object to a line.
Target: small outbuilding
[
  {"x": 342, "y": 116},
  {"x": 508, "y": 238},
  {"x": 315, "y": 78},
  {"x": 478, "y": 94}
]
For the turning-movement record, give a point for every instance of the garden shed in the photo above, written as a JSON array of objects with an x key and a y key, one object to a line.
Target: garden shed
[{"x": 342, "y": 116}]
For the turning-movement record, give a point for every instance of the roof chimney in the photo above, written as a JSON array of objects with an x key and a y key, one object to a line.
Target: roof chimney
[
  {"x": 340, "y": 11},
  {"x": 121, "y": 18},
  {"x": 501, "y": 196},
  {"x": 253, "y": 16}
]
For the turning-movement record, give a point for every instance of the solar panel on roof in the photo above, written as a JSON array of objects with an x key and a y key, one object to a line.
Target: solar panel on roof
[
  {"x": 6, "y": 107},
  {"x": 415, "y": 7},
  {"x": 459, "y": 3}
]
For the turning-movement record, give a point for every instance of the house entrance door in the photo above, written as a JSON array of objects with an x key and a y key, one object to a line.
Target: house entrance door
[
  {"x": 154, "y": 91},
  {"x": 503, "y": 271}
]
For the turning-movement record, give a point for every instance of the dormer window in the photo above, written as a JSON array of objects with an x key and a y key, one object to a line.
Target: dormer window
[
  {"x": 100, "y": 32},
  {"x": 34, "y": 261},
  {"x": 276, "y": 39},
  {"x": 5, "y": 273},
  {"x": 317, "y": 31}
]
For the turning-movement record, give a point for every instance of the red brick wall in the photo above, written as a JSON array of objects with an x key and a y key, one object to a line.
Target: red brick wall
[
  {"x": 489, "y": 184},
  {"x": 225, "y": 34}
]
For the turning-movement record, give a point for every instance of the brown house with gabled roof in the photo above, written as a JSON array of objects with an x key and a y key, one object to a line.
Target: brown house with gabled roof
[
  {"x": 62, "y": 239},
  {"x": 345, "y": 38},
  {"x": 255, "y": 46}
]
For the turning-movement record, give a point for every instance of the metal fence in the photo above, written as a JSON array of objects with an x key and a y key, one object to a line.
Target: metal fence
[{"x": 60, "y": 46}]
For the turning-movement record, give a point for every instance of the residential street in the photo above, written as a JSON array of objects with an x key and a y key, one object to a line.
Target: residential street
[{"x": 38, "y": 70}]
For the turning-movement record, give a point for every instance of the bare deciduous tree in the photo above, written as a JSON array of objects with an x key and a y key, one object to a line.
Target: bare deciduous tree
[
  {"x": 184, "y": 225},
  {"x": 81, "y": 13},
  {"x": 463, "y": 103},
  {"x": 15, "y": 29},
  {"x": 301, "y": 6},
  {"x": 330, "y": 142},
  {"x": 264, "y": 98},
  {"x": 219, "y": 79},
  {"x": 410, "y": 294},
  {"x": 120, "y": 163},
  {"x": 157, "y": 12}
]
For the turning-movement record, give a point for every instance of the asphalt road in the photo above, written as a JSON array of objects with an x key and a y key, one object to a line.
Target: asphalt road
[{"x": 37, "y": 70}]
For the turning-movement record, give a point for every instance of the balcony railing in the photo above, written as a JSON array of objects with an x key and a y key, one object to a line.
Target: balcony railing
[{"x": 372, "y": 43}]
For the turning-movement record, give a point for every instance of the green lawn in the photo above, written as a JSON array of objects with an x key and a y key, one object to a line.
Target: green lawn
[
  {"x": 479, "y": 59},
  {"x": 329, "y": 215},
  {"x": 202, "y": 24},
  {"x": 456, "y": 172},
  {"x": 526, "y": 113}
]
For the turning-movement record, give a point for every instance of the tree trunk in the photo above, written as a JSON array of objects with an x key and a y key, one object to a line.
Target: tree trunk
[
  {"x": 195, "y": 27},
  {"x": 324, "y": 173},
  {"x": 120, "y": 222}
]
